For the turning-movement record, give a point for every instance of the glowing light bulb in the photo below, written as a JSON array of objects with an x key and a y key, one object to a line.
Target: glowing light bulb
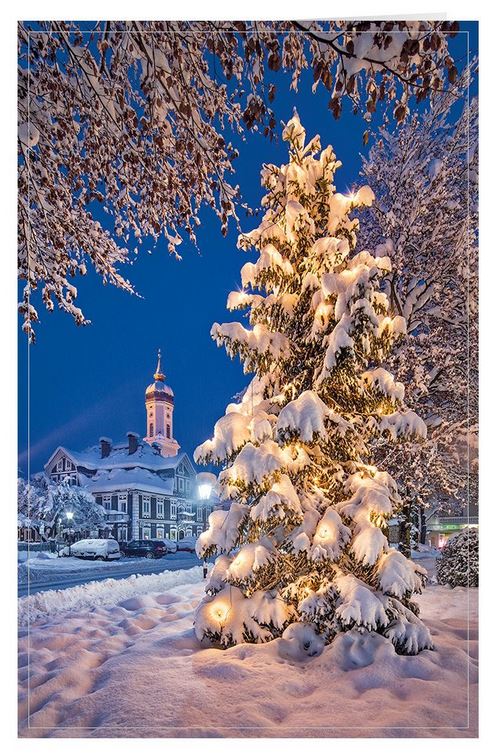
[
  {"x": 322, "y": 311},
  {"x": 220, "y": 612}
]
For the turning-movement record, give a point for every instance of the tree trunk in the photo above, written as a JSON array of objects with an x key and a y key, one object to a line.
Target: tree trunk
[
  {"x": 422, "y": 526},
  {"x": 404, "y": 545}
]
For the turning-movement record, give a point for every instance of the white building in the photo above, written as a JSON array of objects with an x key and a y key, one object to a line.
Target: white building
[{"x": 147, "y": 486}]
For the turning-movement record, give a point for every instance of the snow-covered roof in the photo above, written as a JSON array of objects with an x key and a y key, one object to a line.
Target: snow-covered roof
[
  {"x": 118, "y": 479},
  {"x": 144, "y": 457}
]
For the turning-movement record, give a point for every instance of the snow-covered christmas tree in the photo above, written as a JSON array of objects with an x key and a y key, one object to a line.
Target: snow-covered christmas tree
[{"x": 303, "y": 540}]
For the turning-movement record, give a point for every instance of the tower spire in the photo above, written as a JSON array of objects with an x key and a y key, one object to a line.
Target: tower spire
[
  {"x": 159, "y": 403},
  {"x": 158, "y": 376}
]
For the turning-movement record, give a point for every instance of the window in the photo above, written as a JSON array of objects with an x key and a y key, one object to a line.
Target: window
[
  {"x": 199, "y": 530},
  {"x": 180, "y": 481},
  {"x": 107, "y": 501},
  {"x": 188, "y": 507},
  {"x": 187, "y": 485},
  {"x": 145, "y": 532},
  {"x": 146, "y": 507},
  {"x": 160, "y": 532},
  {"x": 160, "y": 508},
  {"x": 173, "y": 510},
  {"x": 189, "y": 531},
  {"x": 167, "y": 431},
  {"x": 122, "y": 503},
  {"x": 173, "y": 534},
  {"x": 199, "y": 512},
  {"x": 151, "y": 429},
  {"x": 60, "y": 465}
]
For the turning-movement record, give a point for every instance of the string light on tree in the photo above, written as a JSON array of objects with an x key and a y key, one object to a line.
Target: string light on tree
[{"x": 303, "y": 540}]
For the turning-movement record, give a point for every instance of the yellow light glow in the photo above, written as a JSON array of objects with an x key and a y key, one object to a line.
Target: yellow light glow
[
  {"x": 220, "y": 612},
  {"x": 322, "y": 311}
]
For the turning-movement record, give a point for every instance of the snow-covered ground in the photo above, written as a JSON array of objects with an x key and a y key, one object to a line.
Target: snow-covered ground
[
  {"x": 44, "y": 571},
  {"x": 119, "y": 659}
]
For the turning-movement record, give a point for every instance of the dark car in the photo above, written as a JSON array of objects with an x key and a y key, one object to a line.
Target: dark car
[{"x": 144, "y": 548}]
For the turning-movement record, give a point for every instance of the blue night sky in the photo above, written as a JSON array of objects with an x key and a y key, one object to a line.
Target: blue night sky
[{"x": 89, "y": 381}]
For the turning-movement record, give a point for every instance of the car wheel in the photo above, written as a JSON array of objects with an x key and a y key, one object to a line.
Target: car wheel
[
  {"x": 100, "y": 558},
  {"x": 149, "y": 556}
]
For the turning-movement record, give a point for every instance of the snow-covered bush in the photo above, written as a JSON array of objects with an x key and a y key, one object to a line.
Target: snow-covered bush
[
  {"x": 458, "y": 562},
  {"x": 303, "y": 540}
]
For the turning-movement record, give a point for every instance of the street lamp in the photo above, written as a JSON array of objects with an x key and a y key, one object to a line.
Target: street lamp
[
  {"x": 206, "y": 483},
  {"x": 204, "y": 491},
  {"x": 69, "y": 517}
]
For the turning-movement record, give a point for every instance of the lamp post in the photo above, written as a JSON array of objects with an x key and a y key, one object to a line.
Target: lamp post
[
  {"x": 206, "y": 482},
  {"x": 58, "y": 533},
  {"x": 69, "y": 517}
]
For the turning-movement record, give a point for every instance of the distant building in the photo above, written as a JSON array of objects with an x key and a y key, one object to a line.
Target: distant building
[
  {"x": 440, "y": 528},
  {"x": 147, "y": 487}
]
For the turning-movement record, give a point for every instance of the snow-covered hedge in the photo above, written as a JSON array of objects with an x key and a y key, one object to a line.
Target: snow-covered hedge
[{"x": 458, "y": 563}]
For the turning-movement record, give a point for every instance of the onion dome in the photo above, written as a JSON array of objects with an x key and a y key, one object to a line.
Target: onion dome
[{"x": 158, "y": 389}]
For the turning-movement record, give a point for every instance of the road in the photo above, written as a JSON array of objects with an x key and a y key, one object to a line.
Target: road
[{"x": 52, "y": 579}]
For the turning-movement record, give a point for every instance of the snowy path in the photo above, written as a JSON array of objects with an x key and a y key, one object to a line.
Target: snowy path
[
  {"x": 131, "y": 667},
  {"x": 50, "y": 574}
]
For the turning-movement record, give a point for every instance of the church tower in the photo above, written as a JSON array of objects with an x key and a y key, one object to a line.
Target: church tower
[{"x": 159, "y": 400}]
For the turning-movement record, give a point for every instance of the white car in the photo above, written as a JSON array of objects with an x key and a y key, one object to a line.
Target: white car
[
  {"x": 187, "y": 544},
  {"x": 171, "y": 545},
  {"x": 95, "y": 549}
]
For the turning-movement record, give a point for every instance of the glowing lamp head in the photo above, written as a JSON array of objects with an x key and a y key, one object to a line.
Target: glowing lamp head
[
  {"x": 204, "y": 491},
  {"x": 69, "y": 515}
]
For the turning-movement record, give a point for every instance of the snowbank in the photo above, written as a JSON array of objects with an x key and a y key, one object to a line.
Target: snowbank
[{"x": 48, "y": 604}]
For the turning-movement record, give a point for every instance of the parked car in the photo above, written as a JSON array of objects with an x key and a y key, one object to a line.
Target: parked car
[
  {"x": 187, "y": 544},
  {"x": 144, "y": 548},
  {"x": 94, "y": 549},
  {"x": 171, "y": 545}
]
